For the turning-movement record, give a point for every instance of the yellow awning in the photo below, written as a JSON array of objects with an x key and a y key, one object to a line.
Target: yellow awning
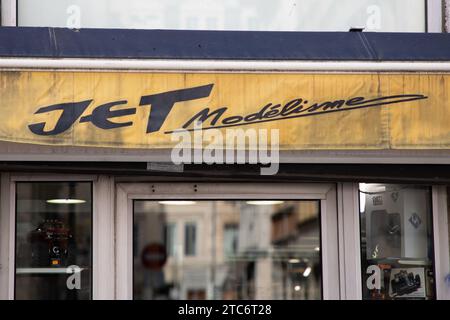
[{"x": 142, "y": 109}]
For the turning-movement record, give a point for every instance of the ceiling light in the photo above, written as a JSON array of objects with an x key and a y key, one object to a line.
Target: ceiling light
[
  {"x": 264, "y": 202},
  {"x": 294, "y": 260},
  {"x": 372, "y": 187},
  {"x": 297, "y": 288},
  {"x": 412, "y": 262},
  {"x": 307, "y": 272},
  {"x": 316, "y": 249},
  {"x": 66, "y": 201},
  {"x": 177, "y": 202},
  {"x": 362, "y": 202}
]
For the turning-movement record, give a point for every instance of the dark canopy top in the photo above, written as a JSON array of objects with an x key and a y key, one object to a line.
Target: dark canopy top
[{"x": 240, "y": 45}]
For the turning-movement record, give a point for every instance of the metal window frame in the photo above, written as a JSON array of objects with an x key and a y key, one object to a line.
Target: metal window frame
[
  {"x": 102, "y": 230},
  {"x": 433, "y": 14},
  {"x": 127, "y": 192}
]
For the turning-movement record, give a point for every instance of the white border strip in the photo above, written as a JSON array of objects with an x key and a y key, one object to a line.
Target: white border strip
[
  {"x": 441, "y": 242},
  {"x": 220, "y": 65}
]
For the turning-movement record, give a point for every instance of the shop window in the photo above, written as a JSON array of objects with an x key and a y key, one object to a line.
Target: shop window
[
  {"x": 396, "y": 242},
  {"x": 53, "y": 240},
  {"x": 253, "y": 15},
  {"x": 229, "y": 250}
]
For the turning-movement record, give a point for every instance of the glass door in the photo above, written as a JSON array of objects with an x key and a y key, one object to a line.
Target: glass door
[{"x": 227, "y": 241}]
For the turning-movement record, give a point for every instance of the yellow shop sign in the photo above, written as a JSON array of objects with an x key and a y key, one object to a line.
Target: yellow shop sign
[{"x": 141, "y": 110}]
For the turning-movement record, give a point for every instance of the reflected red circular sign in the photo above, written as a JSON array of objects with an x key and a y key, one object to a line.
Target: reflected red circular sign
[{"x": 154, "y": 256}]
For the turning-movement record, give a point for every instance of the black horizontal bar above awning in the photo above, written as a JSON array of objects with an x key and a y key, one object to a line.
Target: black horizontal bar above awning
[
  {"x": 288, "y": 172},
  {"x": 228, "y": 45}
]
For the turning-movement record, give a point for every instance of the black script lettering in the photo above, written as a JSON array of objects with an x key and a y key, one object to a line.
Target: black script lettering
[
  {"x": 71, "y": 112},
  {"x": 292, "y": 107},
  {"x": 232, "y": 120},
  {"x": 274, "y": 111},
  {"x": 203, "y": 115},
  {"x": 258, "y": 115},
  {"x": 386, "y": 100},
  {"x": 327, "y": 105},
  {"x": 333, "y": 104},
  {"x": 101, "y": 115},
  {"x": 355, "y": 101},
  {"x": 162, "y": 103}
]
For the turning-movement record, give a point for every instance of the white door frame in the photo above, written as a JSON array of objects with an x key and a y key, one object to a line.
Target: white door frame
[
  {"x": 349, "y": 241},
  {"x": 127, "y": 192}
]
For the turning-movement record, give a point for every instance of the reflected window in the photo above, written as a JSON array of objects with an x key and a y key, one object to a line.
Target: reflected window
[
  {"x": 396, "y": 242},
  {"x": 170, "y": 238},
  {"x": 190, "y": 239},
  {"x": 230, "y": 239},
  {"x": 229, "y": 250},
  {"x": 53, "y": 240},
  {"x": 249, "y": 15}
]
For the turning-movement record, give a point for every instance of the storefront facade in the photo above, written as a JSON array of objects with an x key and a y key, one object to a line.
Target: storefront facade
[{"x": 93, "y": 207}]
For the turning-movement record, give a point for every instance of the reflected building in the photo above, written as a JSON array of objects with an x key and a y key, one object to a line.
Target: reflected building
[{"x": 228, "y": 250}]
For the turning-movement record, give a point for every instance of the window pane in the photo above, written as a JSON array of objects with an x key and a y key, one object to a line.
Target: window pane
[
  {"x": 396, "y": 242},
  {"x": 257, "y": 15},
  {"x": 53, "y": 240},
  {"x": 230, "y": 239},
  {"x": 170, "y": 234},
  {"x": 190, "y": 239},
  {"x": 228, "y": 250}
]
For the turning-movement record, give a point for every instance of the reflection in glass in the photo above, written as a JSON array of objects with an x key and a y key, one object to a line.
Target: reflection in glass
[
  {"x": 396, "y": 242},
  {"x": 227, "y": 250},
  {"x": 53, "y": 240},
  {"x": 249, "y": 15},
  {"x": 190, "y": 238},
  {"x": 230, "y": 239},
  {"x": 170, "y": 234}
]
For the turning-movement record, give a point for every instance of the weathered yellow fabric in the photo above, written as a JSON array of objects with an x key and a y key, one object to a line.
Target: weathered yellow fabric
[{"x": 418, "y": 124}]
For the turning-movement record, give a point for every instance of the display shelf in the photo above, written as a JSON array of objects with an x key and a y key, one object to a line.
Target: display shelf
[
  {"x": 44, "y": 270},
  {"x": 402, "y": 261}
]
